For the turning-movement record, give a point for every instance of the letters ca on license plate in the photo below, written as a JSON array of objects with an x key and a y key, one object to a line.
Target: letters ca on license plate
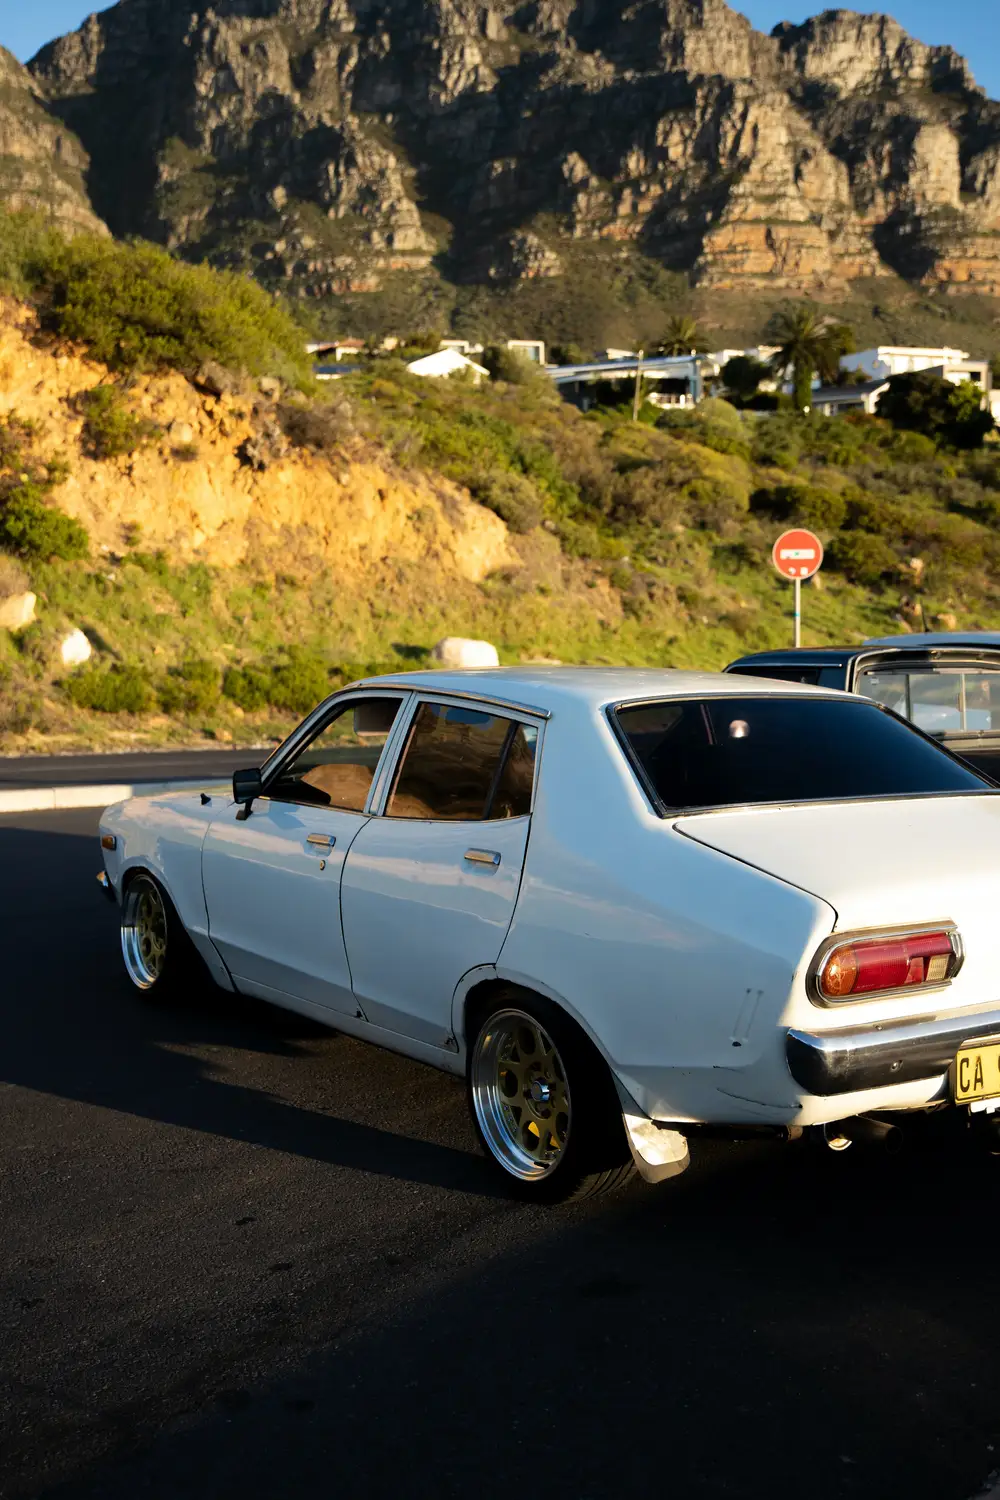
[{"x": 976, "y": 1073}]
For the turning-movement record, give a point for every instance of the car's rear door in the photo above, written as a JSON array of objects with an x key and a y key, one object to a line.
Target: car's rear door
[
  {"x": 272, "y": 880},
  {"x": 429, "y": 885}
]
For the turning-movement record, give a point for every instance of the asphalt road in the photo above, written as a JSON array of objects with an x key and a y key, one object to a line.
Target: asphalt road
[
  {"x": 241, "y": 1256},
  {"x": 147, "y": 765}
]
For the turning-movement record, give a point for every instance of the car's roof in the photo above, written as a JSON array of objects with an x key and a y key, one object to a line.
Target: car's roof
[
  {"x": 985, "y": 638},
  {"x": 838, "y": 656},
  {"x": 545, "y": 687},
  {"x": 813, "y": 656}
]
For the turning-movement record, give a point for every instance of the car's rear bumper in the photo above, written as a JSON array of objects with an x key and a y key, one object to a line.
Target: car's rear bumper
[{"x": 874, "y": 1057}]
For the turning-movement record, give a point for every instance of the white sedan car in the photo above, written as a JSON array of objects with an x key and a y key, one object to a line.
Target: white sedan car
[{"x": 625, "y": 905}]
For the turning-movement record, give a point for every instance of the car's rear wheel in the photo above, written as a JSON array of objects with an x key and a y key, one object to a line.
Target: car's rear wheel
[
  {"x": 543, "y": 1102},
  {"x": 159, "y": 956}
]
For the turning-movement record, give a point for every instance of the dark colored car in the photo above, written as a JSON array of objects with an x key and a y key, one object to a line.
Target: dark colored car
[{"x": 948, "y": 685}]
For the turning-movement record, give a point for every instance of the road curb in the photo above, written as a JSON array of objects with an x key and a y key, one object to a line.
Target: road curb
[{"x": 100, "y": 794}]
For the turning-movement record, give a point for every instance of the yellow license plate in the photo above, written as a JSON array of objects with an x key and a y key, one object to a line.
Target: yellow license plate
[{"x": 977, "y": 1072}]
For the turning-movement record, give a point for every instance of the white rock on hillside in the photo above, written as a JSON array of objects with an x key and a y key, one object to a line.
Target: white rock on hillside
[
  {"x": 456, "y": 651},
  {"x": 17, "y": 611},
  {"x": 75, "y": 649}
]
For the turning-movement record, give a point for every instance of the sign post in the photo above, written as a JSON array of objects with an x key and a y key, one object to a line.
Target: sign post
[{"x": 797, "y": 554}]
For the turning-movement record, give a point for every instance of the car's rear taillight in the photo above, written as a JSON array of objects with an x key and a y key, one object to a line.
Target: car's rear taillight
[{"x": 852, "y": 968}]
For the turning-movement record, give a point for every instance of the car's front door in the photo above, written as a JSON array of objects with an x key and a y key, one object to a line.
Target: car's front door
[
  {"x": 429, "y": 887},
  {"x": 272, "y": 879}
]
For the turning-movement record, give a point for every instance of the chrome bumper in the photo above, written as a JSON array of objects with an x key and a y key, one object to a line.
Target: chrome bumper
[{"x": 871, "y": 1057}]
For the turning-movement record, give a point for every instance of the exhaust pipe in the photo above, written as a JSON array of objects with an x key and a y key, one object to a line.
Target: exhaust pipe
[{"x": 840, "y": 1134}]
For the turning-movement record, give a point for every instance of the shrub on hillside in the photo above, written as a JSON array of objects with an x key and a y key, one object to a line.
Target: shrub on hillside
[
  {"x": 114, "y": 690},
  {"x": 191, "y": 688},
  {"x": 248, "y": 687},
  {"x": 927, "y": 403},
  {"x": 28, "y": 244},
  {"x": 110, "y": 428},
  {"x": 712, "y": 430},
  {"x": 512, "y": 497},
  {"x": 300, "y": 682},
  {"x": 323, "y": 429},
  {"x": 510, "y": 365},
  {"x": 862, "y": 557},
  {"x": 295, "y": 685},
  {"x": 137, "y": 308},
  {"x": 29, "y": 528},
  {"x": 810, "y": 505}
]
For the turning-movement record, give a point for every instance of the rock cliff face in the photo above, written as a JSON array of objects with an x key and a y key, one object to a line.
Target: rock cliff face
[
  {"x": 42, "y": 164},
  {"x": 323, "y": 142}
]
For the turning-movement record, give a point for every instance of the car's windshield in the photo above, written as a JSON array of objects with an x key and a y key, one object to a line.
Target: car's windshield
[{"x": 720, "y": 752}]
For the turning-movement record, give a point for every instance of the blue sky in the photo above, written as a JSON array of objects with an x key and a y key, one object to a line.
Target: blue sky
[{"x": 973, "y": 27}]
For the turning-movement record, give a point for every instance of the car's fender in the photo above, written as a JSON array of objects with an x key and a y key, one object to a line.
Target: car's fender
[{"x": 164, "y": 835}]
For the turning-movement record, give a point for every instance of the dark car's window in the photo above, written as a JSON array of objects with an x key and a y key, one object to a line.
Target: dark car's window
[
  {"x": 724, "y": 751},
  {"x": 463, "y": 764},
  {"x": 336, "y": 767},
  {"x": 948, "y": 700}
]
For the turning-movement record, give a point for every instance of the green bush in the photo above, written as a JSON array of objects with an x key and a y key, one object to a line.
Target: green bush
[
  {"x": 810, "y": 505},
  {"x": 299, "y": 683},
  {"x": 191, "y": 688},
  {"x": 862, "y": 557},
  {"x": 117, "y": 690},
  {"x": 512, "y": 497},
  {"x": 137, "y": 308},
  {"x": 248, "y": 687},
  {"x": 510, "y": 365},
  {"x": 110, "y": 428},
  {"x": 295, "y": 685},
  {"x": 30, "y": 528}
]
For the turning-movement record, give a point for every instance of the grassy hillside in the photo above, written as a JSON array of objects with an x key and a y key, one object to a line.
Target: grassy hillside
[{"x": 625, "y": 543}]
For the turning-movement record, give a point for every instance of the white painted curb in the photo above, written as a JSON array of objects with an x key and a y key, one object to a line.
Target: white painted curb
[{"x": 52, "y": 798}]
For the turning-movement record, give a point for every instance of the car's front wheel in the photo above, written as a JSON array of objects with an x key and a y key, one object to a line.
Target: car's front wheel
[
  {"x": 159, "y": 956},
  {"x": 543, "y": 1102}
]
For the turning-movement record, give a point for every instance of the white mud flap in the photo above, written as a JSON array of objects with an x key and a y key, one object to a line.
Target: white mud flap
[{"x": 658, "y": 1153}]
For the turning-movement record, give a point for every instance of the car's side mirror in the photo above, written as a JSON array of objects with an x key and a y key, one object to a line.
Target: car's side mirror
[{"x": 247, "y": 785}]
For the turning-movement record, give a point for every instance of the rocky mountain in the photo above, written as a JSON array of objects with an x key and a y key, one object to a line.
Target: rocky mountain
[
  {"x": 42, "y": 164},
  {"x": 326, "y": 142}
]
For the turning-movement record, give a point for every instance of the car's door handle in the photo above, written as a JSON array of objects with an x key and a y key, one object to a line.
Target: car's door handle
[
  {"x": 482, "y": 856},
  {"x": 324, "y": 840}
]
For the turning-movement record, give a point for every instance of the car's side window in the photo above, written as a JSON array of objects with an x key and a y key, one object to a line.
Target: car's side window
[
  {"x": 464, "y": 764},
  {"x": 336, "y": 767}
]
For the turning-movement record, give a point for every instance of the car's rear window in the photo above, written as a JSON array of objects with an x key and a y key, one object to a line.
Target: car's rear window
[{"x": 720, "y": 752}]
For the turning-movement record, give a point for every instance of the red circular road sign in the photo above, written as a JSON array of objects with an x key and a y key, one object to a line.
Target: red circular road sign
[{"x": 797, "y": 554}]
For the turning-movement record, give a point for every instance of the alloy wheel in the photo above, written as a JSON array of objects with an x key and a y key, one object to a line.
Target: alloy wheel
[
  {"x": 144, "y": 934},
  {"x": 520, "y": 1094}
]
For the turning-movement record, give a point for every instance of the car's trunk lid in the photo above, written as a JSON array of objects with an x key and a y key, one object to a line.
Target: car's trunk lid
[{"x": 881, "y": 863}]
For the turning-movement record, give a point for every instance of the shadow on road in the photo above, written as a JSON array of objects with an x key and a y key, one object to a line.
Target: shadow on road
[{"x": 72, "y": 1025}]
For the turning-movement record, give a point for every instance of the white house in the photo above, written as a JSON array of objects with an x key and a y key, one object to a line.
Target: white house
[
  {"x": 339, "y": 348},
  {"x": 898, "y": 359},
  {"x": 445, "y": 362},
  {"x": 533, "y": 349},
  {"x": 835, "y": 400}
]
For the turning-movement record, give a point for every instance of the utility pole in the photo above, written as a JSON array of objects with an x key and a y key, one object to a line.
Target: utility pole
[{"x": 638, "y": 387}]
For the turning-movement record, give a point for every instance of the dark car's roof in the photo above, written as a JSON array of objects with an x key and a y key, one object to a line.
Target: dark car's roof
[
  {"x": 839, "y": 656},
  {"x": 825, "y": 656}
]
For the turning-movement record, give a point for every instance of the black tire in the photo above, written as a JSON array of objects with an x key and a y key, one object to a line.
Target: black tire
[
  {"x": 160, "y": 959},
  {"x": 543, "y": 1102}
]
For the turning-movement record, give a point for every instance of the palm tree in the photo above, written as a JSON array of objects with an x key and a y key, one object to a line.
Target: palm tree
[
  {"x": 682, "y": 336},
  {"x": 809, "y": 343}
]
